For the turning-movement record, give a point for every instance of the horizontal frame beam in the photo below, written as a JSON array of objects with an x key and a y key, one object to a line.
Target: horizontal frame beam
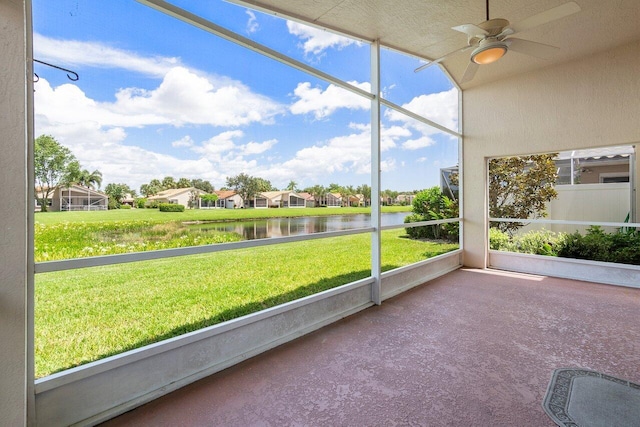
[
  {"x": 420, "y": 224},
  {"x": 568, "y": 222},
  {"x": 70, "y": 264}
]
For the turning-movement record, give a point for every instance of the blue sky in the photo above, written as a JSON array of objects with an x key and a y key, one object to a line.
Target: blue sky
[{"x": 158, "y": 97}]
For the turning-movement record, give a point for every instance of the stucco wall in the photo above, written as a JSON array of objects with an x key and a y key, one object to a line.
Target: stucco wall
[
  {"x": 13, "y": 216},
  {"x": 593, "y": 102},
  {"x": 593, "y": 174}
]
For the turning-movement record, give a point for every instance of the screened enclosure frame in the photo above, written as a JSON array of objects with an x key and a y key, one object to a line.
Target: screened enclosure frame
[{"x": 70, "y": 396}]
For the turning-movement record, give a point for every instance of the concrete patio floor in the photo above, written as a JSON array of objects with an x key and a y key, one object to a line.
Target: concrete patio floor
[{"x": 471, "y": 348}]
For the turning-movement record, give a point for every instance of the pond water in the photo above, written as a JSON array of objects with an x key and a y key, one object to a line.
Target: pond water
[{"x": 281, "y": 227}]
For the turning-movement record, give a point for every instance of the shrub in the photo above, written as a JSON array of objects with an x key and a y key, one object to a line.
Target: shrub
[
  {"x": 417, "y": 232},
  {"x": 430, "y": 205},
  {"x": 151, "y": 204},
  {"x": 140, "y": 202},
  {"x": 171, "y": 207},
  {"x": 125, "y": 206},
  {"x": 498, "y": 240},
  {"x": 538, "y": 242},
  {"x": 113, "y": 203},
  {"x": 596, "y": 245}
]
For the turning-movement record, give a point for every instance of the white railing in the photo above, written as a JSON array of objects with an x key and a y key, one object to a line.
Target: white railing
[
  {"x": 91, "y": 207},
  {"x": 567, "y": 222}
]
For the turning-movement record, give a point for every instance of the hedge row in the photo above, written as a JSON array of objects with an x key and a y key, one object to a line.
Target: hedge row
[
  {"x": 596, "y": 245},
  {"x": 170, "y": 207}
]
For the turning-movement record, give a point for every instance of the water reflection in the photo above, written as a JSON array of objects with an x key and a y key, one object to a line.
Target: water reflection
[{"x": 281, "y": 227}]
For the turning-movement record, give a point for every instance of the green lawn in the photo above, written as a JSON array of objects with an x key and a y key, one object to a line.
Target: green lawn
[
  {"x": 198, "y": 214},
  {"x": 87, "y": 314}
]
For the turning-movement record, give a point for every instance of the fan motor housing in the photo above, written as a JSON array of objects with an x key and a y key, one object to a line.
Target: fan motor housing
[{"x": 494, "y": 26}]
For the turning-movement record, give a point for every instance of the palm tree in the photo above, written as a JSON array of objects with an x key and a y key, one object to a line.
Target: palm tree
[
  {"x": 318, "y": 192},
  {"x": 89, "y": 179},
  {"x": 72, "y": 176},
  {"x": 293, "y": 186},
  {"x": 347, "y": 193}
]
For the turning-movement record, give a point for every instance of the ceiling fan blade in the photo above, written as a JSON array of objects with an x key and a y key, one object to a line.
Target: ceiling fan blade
[
  {"x": 539, "y": 50},
  {"x": 471, "y": 30},
  {"x": 470, "y": 72},
  {"x": 547, "y": 16},
  {"x": 442, "y": 58}
]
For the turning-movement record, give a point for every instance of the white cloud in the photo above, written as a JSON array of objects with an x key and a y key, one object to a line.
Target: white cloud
[
  {"x": 185, "y": 141},
  {"x": 324, "y": 103},
  {"x": 258, "y": 147},
  {"x": 252, "y": 22},
  {"x": 182, "y": 98},
  {"x": 349, "y": 153},
  {"x": 74, "y": 53},
  {"x": 96, "y": 131},
  {"x": 388, "y": 165},
  {"x": 316, "y": 41},
  {"x": 217, "y": 147},
  {"x": 441, "y": 107},
  {"x": 421, "y": 159},
  {"x": 106, "y": 151},
  {"x": 415, "y": 144}
]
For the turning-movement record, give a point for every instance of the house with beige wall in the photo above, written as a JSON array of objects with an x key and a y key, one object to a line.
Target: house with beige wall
[
  {"x": 228, "y": 199},
  {"x": 279, "y": 199},
  {"x": 180, "y": 196}
]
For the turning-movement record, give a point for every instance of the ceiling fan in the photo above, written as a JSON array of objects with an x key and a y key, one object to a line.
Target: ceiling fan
[{"x": 492, "y": 39}]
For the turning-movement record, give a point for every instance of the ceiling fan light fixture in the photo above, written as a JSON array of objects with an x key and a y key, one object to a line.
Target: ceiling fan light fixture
[{"x": 488, "y": 53}]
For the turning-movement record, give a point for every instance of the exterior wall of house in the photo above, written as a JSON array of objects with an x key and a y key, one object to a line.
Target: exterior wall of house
[
  {"x": 17, "y": 204},
  {"x": 181, "y": 199},
  {"x": 586, "y": 103},
  {"x": 232, "y": 202},
  {"x": 594, "y": 173}
]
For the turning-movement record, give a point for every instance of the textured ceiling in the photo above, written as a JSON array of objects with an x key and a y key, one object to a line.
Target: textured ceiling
[{"x": 423, "y": 27}]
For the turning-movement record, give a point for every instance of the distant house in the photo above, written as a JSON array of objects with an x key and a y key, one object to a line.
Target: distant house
[
  {"x": 333, "y": 200},
  {"x": 128, "y": 199},
  {"x": 405, "y": 199},
  {"x": 352, "y": 200},
  {"x": 607, "y": 165},
  {"x": 180, "y": 196},
  {"x": 279, "y": 199},
  {"x": 310, "y": 201},
  {"x": 78, "y": 198},
  {"x": 228, "y": 199}
]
